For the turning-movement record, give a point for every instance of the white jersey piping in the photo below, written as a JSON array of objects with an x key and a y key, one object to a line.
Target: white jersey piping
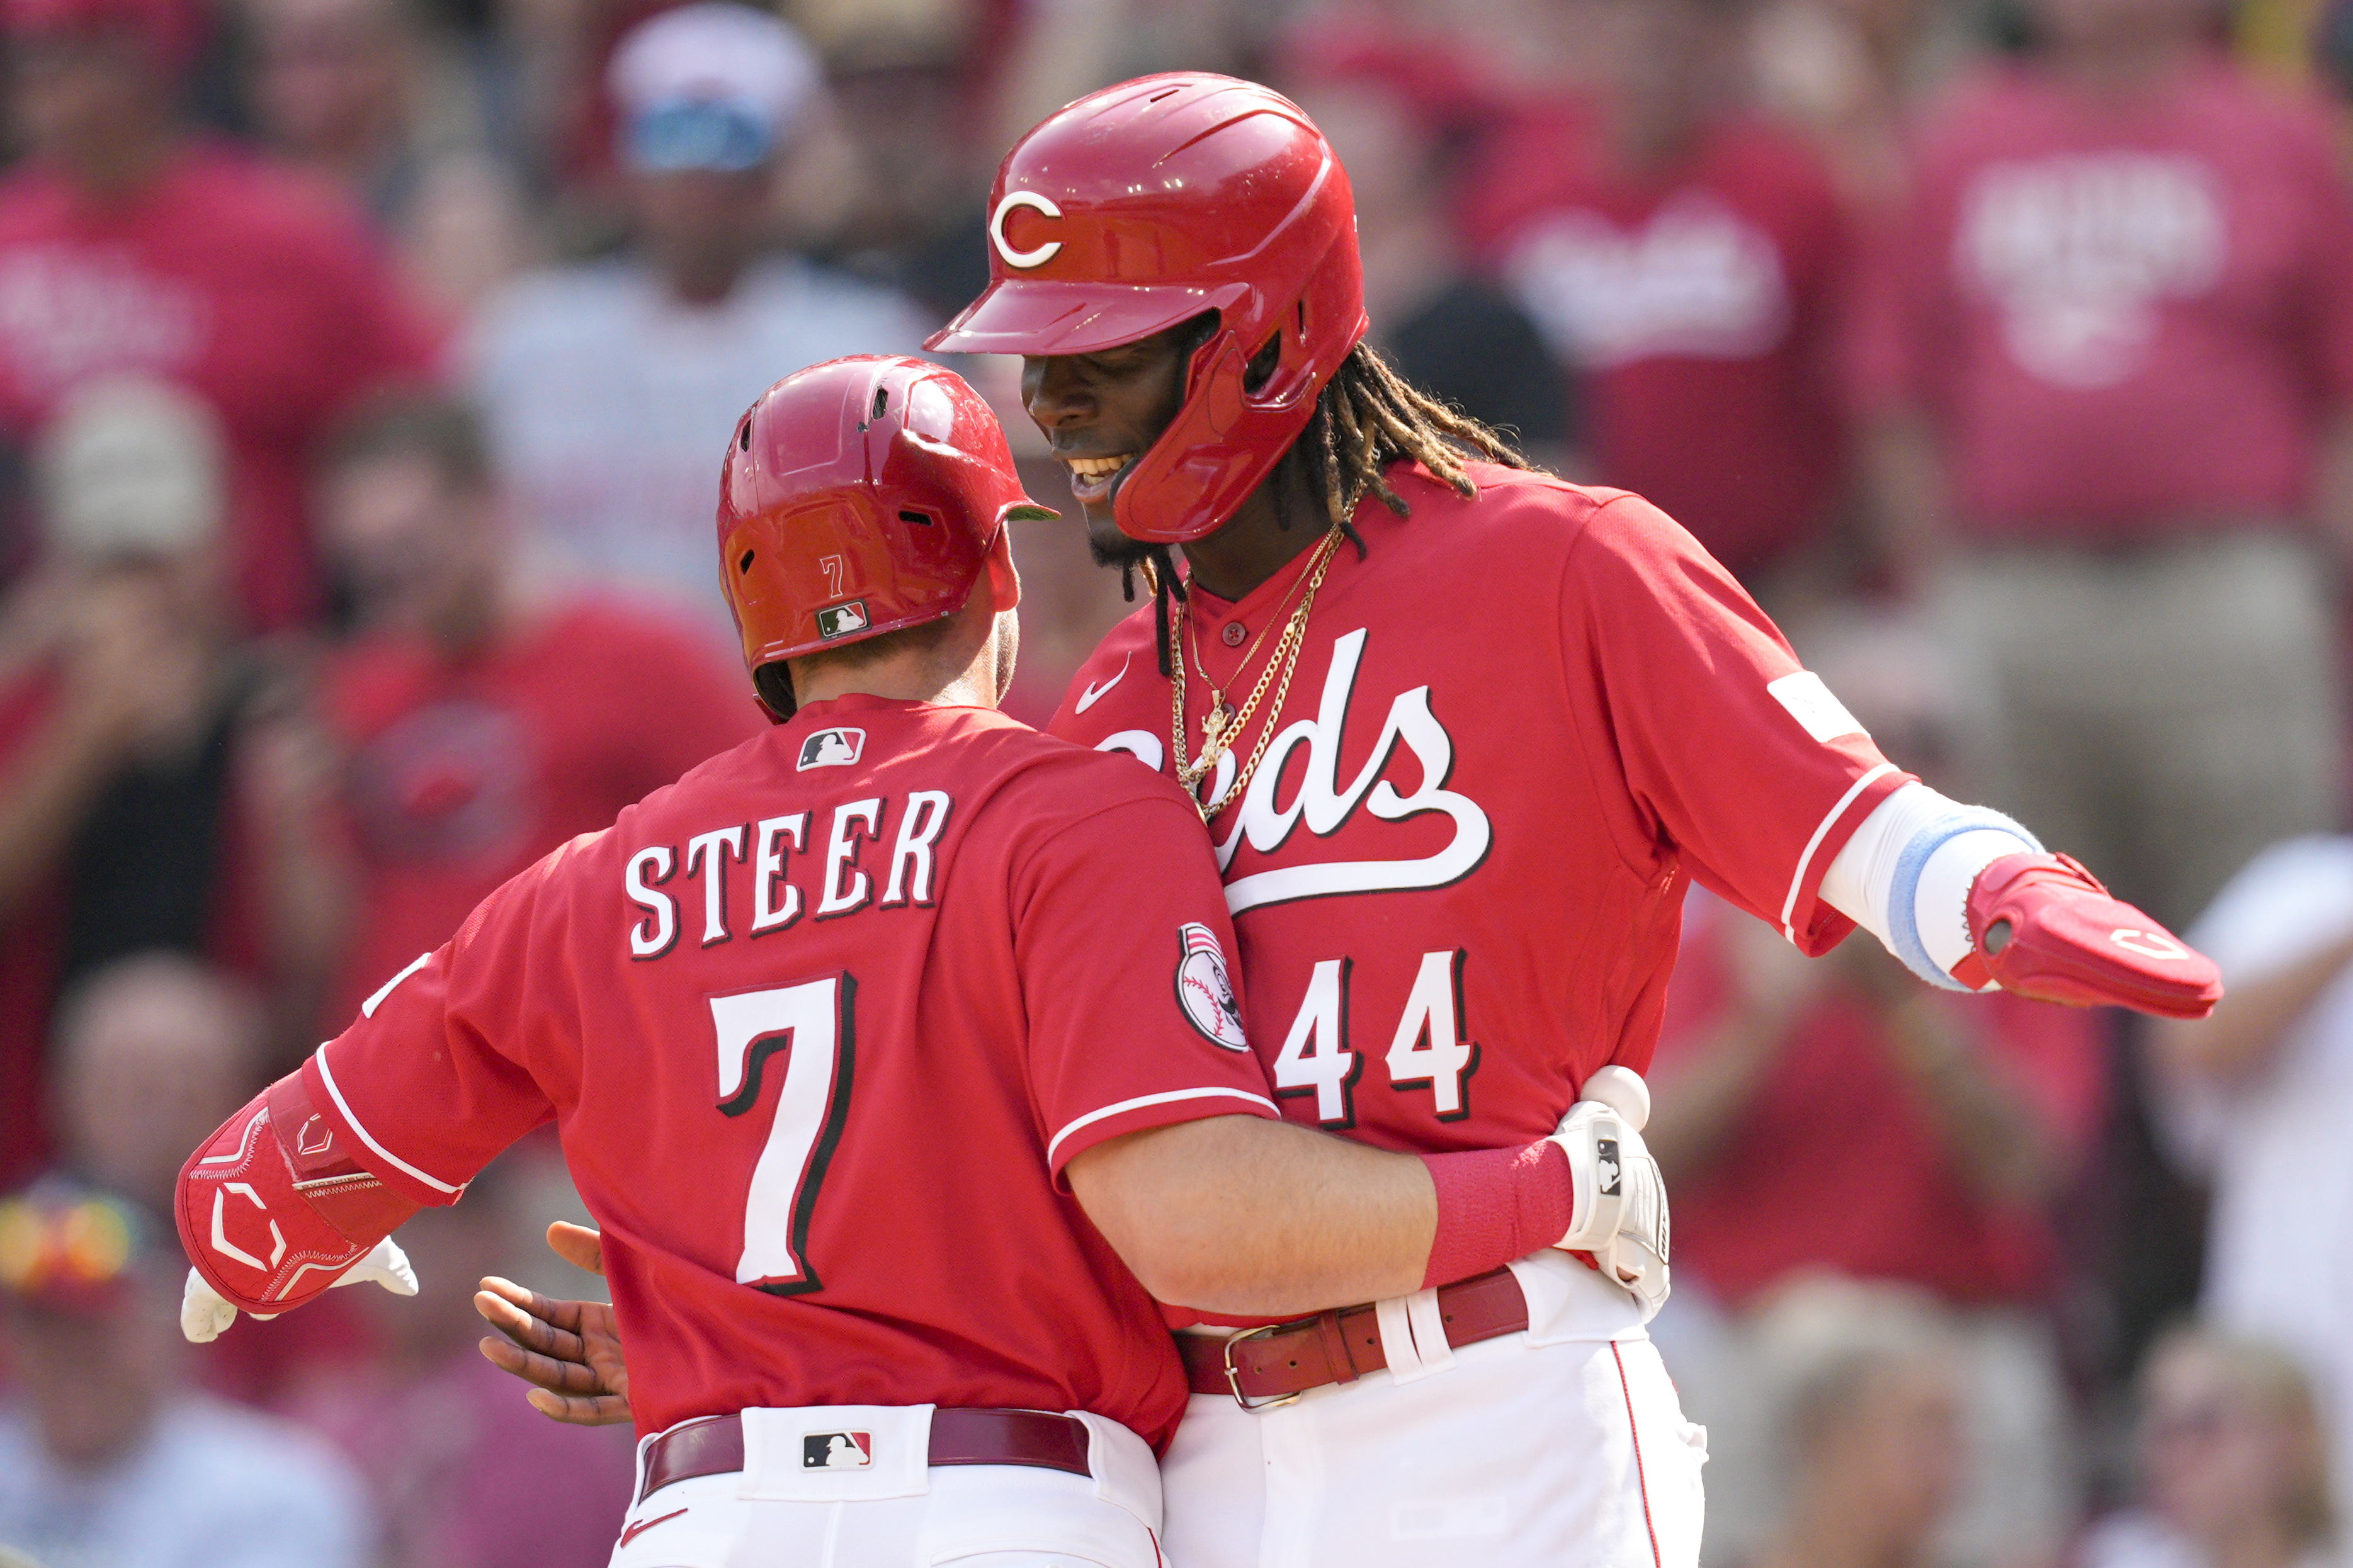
[
  {"x": 1822, "y": 829},
  {"x": 369, "y": 1138},
  {"x": 1141, "y": 1100}
]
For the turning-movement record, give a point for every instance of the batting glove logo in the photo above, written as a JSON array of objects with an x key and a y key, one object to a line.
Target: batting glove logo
[{"x": 2150, "y": 944}]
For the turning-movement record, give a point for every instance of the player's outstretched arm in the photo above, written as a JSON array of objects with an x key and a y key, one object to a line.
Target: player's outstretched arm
[
  {"x": 273, "y": 1212},
  {"x": 1969, "y": 901},
  {"x": 569, "y": 1352}
]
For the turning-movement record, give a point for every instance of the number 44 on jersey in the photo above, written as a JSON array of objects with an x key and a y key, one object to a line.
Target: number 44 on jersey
[{"x": 1426, "y": 1047}]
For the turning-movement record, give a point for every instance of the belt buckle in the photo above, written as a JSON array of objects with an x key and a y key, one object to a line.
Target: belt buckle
[{"x": 1234, "y": 1377}]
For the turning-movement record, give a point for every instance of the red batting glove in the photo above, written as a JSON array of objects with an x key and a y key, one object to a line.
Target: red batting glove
[{"x": 2042, "y": 926}]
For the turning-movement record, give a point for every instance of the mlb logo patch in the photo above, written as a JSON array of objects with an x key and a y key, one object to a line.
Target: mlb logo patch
[
  {"x": 831, "y": 749},
  {"x": 840, "y": 620},
  {"x": 837, "y": 1450}
]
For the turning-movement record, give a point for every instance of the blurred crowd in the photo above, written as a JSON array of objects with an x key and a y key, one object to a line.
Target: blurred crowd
[{"x": 364, "y": 368}]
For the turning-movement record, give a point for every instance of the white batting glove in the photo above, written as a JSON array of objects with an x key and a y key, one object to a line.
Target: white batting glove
[
  {"x": 1621, "y": 1203},
  {"x": 384, "y": 1264},
  {"x": 204, "y": 1314}
]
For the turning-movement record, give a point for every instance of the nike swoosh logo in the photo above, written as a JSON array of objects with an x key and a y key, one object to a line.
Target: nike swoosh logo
[
  {"x": 645, "y": 1524},
  {"x": 1087, "y": 698}
]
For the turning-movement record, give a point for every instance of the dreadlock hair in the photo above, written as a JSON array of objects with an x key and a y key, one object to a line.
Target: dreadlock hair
[{"x": 1366, "y": 417}]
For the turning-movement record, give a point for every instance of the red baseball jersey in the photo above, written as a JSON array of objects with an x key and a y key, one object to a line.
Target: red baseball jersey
[
  {"x": 1697, "y": 303},
  {"x": 2120, "y": 321},
  {"x": 821, "y": 1024},
  {"x": 1518, "y": 724}
]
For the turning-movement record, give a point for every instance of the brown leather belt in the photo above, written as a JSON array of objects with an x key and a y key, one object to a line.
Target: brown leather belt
[
  {"x": 1274, "y": 1365},
  {"x": 713, "y": 1446}
]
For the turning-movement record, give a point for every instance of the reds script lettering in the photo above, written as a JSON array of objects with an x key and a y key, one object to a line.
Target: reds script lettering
[
  {"x": 842, "y": 884},
  {"x": 1325, "y": 807}
]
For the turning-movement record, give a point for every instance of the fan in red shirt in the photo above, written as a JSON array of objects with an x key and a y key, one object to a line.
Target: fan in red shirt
[
  {"x": 875, "y": 1125},
  {"x": 2105, "y": 370},
  {"x": 1684, "y": 260},
  {"x": 127, "y": 247},
  {"x": 1461, "y": 734},
  {"x": 483, "y": 718}
]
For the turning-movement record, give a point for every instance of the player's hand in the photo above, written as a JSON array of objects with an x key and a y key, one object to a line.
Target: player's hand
[
  {"x": 2042, "y": 925},
  {"x": 204, "y": 1315},
  {"x": 569, "y": 1352},
  {"x": 1620, "y": 1215}
]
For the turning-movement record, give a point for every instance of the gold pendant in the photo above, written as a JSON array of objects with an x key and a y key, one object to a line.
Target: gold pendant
[{"x": 1213, "y": 725}]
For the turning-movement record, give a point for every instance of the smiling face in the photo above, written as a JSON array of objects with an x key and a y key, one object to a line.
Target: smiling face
[{"x": 1102, "y": 411}]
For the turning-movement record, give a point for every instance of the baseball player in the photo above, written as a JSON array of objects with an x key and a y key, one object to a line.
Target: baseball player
[
  {"x": 1461, "y": 733},
  {"x": 874, "y": 1057}
]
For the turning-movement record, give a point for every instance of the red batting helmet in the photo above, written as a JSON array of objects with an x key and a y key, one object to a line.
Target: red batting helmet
[
  {"x": 859, "y": 496},
  {"x": 1143, "y": 205}
]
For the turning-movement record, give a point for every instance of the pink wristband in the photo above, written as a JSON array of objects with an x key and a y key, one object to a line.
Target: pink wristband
[{"x": 1495, "y": 1205}]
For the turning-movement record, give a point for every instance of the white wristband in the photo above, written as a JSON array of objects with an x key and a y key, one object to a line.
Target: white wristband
[{"x": 1903, "y": 875}]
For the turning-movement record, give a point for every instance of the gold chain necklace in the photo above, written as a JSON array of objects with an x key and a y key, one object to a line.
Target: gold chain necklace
[
  {"x": 1221, "y": 714},
  {"x": 1218, "y": 730}
]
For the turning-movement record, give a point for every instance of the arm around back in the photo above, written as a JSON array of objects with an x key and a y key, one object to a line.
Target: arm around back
[
  {"x": 1241, "y": 1216},
  {"x": 1161, "y": 1119},
  {"x": 1244, "y": 1216}
]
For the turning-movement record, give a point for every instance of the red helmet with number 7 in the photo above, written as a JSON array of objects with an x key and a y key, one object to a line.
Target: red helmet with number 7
[
  {"x": 859, "y": 497},
  {"x": 1145, "y": 204}
]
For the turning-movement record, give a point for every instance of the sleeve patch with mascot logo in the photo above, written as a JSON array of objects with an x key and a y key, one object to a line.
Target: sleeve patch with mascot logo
[{"x": 1204, "y": 989}]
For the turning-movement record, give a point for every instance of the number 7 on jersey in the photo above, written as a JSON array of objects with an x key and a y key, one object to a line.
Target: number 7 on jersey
[{"x": 812, "y": 1024}]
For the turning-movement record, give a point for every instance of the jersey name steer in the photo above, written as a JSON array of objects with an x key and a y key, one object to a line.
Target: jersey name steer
[{"x": 770, "y": 848}]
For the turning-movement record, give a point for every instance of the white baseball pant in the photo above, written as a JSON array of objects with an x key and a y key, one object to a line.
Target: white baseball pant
[
  {"x": 898, "y": 1510},
  {"x": 1563, "y": 1446}
]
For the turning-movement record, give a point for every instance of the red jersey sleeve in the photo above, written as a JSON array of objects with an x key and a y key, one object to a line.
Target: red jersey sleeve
[
  {"x": 430, "y": 1078},
  {"x": 1736, "y": 757},
  {"x": 1124, "y": 950}
]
